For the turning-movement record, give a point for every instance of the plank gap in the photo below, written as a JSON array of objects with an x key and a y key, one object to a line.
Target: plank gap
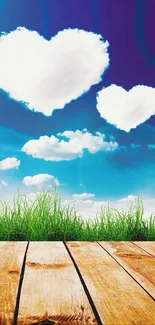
[
  {"x": 20, "y": 286},
  {"x": 118, "y": 299},
  {"x": 145, "y": 250},
  {"x": 98, "y": 319},
  {"x": 127, "y": 271}
]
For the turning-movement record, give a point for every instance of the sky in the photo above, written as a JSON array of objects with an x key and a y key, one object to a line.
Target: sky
[{"x": 77, "y": 100}]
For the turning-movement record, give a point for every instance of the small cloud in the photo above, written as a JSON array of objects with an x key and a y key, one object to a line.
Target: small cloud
[
  {"x": 83, "y": 196},
  {"x": 3, "y": 184},
  {"x": 126, "y": 109},
  {"x": 40, "y": 180},
  {"x": 86, "y": 208},
  {"x": 47, "y": 74},
  {"x": 128, "y": 198},
  {"x": 9, "y": 163},
  {"x": 135, "y": 146},
  {"x": 55, "y": 149}
]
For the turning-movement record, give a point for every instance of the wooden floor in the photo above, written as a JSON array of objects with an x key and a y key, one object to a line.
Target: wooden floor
[{"x": 73, "y": 283}]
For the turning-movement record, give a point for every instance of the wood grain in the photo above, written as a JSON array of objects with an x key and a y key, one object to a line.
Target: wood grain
[
  {"x": 148, "y": 246},
  {"x": 117, "y": 297},
  {"x": 137, "y": 262},
  {"x": 11, "y": 260},
  {"x": 52, "y": 290}
]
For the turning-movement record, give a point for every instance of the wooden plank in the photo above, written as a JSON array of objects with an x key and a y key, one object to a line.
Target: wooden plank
[
  {"x": 52, "y": 289},
  {"x": 11, "y": 260},
  {"x": 137, "y": 262},
  {"x": 148, "y": 246},
  {"x": 116, "y": 295}
]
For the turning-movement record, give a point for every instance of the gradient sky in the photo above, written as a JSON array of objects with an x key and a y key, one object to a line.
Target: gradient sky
[{"x": 124, "y": 172}]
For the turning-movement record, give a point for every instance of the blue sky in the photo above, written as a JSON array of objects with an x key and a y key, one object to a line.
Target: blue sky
[{"x": 77, "y": 99}]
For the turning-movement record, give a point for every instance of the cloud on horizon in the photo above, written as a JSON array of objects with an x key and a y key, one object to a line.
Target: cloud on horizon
[
  {"x": 126, "y": 109},
  {"x": 89, "y": 208},
  {"x": 83, "y": 196},
  {"x": 46, "y": 75},
  {"x": 55, "y": 149}
]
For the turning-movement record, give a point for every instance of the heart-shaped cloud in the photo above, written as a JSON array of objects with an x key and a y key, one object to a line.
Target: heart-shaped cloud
[
  {"x": 46, "y": 75},
  {"x": 126, "y": 109}
]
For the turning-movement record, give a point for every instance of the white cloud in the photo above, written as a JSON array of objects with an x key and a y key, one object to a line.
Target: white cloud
[
  {"x": 40, "y": 180},
  {"x": 9, "y": 163},
  {"x": 86, "y": 208},
  {"x": 126, "y": 109},
  {"x": 3, "y": 184},
  {"x": 51, "y": 148},
  {"x": 46, "y": 75},
  {"x": 148, "y": 204},
  {"x": 128, "y": 198},
  {"x": 83, "y": 196},
  {"x": 89, "y": 208}
]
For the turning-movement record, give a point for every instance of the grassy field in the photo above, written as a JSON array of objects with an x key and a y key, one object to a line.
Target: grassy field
[{"x": 46, "y": 219}]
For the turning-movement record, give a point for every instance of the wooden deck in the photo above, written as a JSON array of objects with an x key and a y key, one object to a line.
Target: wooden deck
[{"x": 73, "y": 283}]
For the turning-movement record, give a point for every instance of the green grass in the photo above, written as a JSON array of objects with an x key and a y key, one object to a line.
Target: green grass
[{"x": 46, "y": 219}]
